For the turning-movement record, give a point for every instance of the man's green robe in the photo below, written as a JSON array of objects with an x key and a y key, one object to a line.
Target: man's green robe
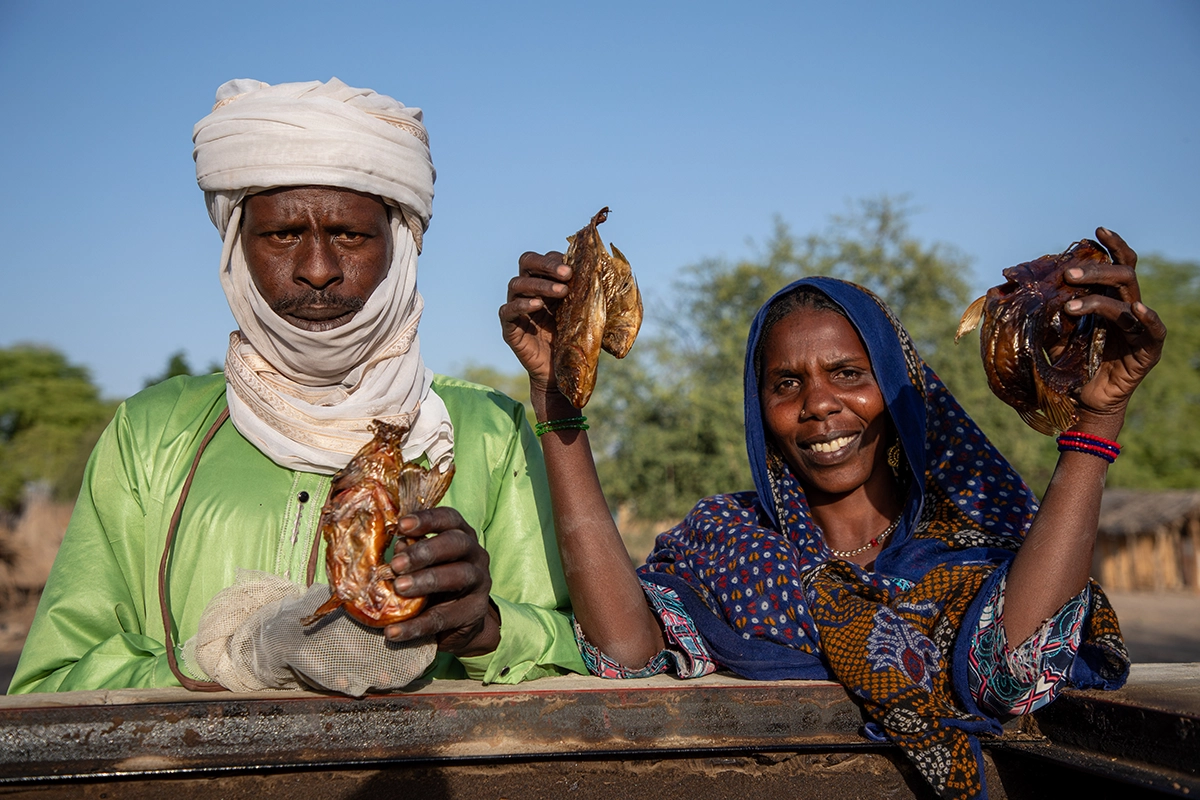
[{"x": 99, "y": 623}]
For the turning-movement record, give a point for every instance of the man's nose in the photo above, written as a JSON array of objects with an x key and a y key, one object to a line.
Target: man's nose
[{"x": 319, "y": 265}]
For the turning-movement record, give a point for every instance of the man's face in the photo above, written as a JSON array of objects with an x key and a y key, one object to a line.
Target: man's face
[{"x": 316, "y": 252}]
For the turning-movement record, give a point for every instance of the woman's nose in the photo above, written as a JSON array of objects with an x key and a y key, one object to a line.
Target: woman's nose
[{"x": 820, "y": 401}]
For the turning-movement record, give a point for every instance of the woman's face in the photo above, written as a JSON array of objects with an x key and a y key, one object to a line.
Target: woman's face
[{"x": 821, "y": 404}]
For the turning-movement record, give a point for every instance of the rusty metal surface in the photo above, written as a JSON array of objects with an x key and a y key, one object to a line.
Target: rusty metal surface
[
  {"x": 1154, "y": 721},
  {"x": 558, "y": 717},
  {"x": 711, "y": 738}
]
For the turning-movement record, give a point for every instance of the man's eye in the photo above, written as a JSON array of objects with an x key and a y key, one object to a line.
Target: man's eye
[
  {"x": 281, "y": 236},
  {"x": 351, "y": 236}
]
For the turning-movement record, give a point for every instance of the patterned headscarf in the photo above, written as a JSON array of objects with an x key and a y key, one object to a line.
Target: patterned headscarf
[{"x": 771, "y": 602}]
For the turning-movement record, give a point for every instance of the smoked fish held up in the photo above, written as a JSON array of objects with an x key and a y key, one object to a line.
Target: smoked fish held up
[
  {"x": 602, "y": 310},
  {"x": 1036, "y": 357},
  {"x": 361, "y": 519}
]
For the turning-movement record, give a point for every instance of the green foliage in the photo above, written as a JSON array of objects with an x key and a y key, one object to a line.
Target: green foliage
[
  {"x": 50, "y": 417},
  {"x": 1161, "y": 437}
]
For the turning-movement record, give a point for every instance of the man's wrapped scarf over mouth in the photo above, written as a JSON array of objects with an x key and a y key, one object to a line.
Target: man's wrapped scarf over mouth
[{"x": 306, "y": 398}]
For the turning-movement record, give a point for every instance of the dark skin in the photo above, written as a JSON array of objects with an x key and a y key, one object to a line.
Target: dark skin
[
  {"x": 316, "y": 253},
  {"x": 817, "y": 372}
]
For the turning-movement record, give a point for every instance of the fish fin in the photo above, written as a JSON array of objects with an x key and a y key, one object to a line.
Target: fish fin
[
  {"x": 1038, "y": 421},
  {"x": 434, "y": 485},
  {"x": 1062, "y": 414},
  {"x": 618, "y": 254},
  {"x": 970, "y": 318},
  {"x": 332, "y": 604},
  {"x": 418, "y": 489},
  {"x": 1056, "y": 410}
]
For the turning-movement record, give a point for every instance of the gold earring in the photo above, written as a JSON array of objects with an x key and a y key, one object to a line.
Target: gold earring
[{"x": 893, "y": 458}]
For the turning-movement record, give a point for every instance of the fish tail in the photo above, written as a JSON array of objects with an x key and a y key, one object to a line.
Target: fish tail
[
  {"x": 970, "y": 318},
  {"x": 1037, "y": 420}
]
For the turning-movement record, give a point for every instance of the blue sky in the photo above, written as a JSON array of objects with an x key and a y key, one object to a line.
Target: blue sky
[{"x": 1015, "y": 128}]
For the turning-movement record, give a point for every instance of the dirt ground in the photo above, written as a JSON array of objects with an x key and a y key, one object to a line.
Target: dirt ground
[{"x": 1158, "y": 627}]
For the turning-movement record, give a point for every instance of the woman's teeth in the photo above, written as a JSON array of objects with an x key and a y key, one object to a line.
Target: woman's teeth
[{"x": 834, "y": 446}]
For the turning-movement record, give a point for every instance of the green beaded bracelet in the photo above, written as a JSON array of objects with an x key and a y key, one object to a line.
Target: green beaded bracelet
[{"x": 574, "y": 423}]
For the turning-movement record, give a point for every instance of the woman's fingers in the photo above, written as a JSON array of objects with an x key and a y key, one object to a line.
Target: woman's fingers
[
  {"x": 1120, "y": 278},
  {"x": 525, "y": 286},
  {"x": 544, "y": 265},
  {"x": 1121, "y": 253},
  {"x": 1140, "y": 324}
]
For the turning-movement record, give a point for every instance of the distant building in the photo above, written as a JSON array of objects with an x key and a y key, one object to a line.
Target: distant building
[{"x": 1149, "y": 540}]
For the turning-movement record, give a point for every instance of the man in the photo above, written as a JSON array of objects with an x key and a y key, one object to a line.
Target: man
[{"x": 188, "y": 553}]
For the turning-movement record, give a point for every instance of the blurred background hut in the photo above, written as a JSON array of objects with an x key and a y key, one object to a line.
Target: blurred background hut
[{"x": 1148, "y": 541}]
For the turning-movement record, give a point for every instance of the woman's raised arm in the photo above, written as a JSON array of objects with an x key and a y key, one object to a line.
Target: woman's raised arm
[
  {"x": 605, "y": 591},
  {"x": 1055, "y": 561}
]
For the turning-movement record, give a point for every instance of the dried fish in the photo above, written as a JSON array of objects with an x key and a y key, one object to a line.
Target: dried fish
[
  {"x": 602, "y": 310},
  {"x": 1036, "y": 357},
  {"x": 361, "y": 519}
]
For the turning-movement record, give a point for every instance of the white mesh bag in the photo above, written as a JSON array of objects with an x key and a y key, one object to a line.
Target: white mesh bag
[{"x": 250, "y": 639}]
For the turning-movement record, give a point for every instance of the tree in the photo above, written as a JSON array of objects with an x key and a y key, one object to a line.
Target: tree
[
  {"x": 50, "y": 417},
  {"x": 177, "y": 364},
  {"x": 1162, "y": 429}
]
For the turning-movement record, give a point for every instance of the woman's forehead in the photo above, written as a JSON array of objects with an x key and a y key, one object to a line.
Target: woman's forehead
[{"x": 807, "y": 334}]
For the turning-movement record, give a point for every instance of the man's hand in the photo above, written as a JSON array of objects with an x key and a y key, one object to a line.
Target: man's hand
[{"x": 451, "y": 569}]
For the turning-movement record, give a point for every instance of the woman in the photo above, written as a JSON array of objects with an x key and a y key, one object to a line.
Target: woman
[{"x": 883, "y": 524}]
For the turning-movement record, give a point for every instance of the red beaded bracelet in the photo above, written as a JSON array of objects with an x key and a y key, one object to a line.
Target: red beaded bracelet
[{"x": 1089, "y": 443}]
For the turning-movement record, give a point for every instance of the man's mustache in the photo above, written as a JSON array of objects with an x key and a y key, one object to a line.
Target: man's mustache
[{"x": 310, "y": 299}]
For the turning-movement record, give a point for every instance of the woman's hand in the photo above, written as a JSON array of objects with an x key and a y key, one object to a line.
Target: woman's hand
[
  {"x": 528, "y": 317},
  {"x": 1135, "y": 332}
]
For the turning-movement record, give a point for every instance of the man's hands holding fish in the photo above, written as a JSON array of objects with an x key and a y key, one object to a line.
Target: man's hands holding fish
[{"x": 451, "y": 570}]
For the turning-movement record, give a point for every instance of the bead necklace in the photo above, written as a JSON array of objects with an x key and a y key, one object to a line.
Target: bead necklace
[{"x": 878, "y": 540}]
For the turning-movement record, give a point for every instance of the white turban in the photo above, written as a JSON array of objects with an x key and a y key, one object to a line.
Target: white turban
[{"x": 306, "y": 398}]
